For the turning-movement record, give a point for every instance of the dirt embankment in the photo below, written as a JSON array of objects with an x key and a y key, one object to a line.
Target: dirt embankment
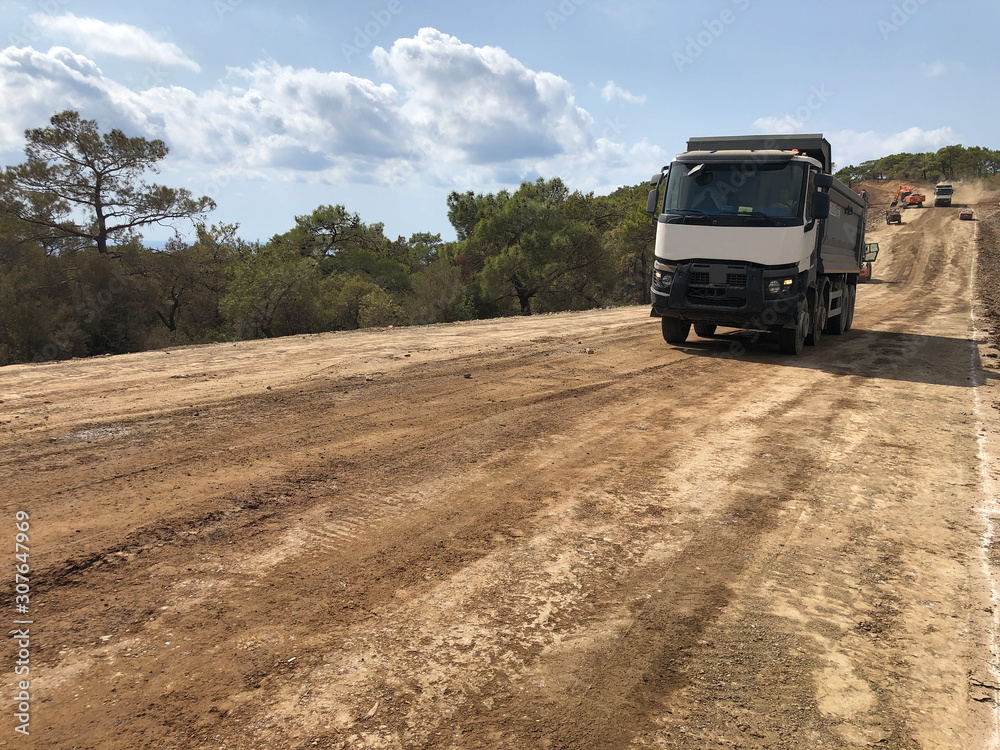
[{"x": 988, "y": 271}]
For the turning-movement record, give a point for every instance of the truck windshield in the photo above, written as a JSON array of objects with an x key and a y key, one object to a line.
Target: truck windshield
[{"x": 736, "y": 193}]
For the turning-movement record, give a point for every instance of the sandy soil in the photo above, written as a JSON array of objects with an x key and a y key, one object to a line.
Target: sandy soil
[{"x": 546, "y": 532}]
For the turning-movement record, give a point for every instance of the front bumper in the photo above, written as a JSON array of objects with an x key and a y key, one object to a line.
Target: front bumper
[{"x": 728, "y": 294}]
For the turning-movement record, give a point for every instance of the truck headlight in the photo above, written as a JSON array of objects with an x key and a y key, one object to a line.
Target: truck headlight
[
  {"x": 662, "y": 278},
  {"x": 777, "y": 286}
]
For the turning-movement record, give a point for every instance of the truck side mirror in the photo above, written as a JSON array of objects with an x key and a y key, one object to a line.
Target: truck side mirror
[
  {"x": 651, "y": 201},
  {"x": 821, "y": 206},
  {"x": 655, "y": 180},
  {"x": 871, "y": 252},
  {"x": 824, "y": 181}
]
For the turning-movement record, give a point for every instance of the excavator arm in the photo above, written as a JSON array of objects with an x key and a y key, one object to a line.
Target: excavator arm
[{"x": 901, "y": 193}]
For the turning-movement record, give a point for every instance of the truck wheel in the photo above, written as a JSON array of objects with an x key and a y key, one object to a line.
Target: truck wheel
[
  {"x": 852, "y": 294},
  {"x": 819, "y": 316},
  {"x": 674, "y": 331},
  {"x": 836, "y": 325},
  {"x": 792, "y": 340},
  {"x": 705, "y": 330}
]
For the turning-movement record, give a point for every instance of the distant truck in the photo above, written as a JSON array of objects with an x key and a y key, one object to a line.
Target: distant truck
[
  {"x": 942, "y": 195},
  {"x": 754, "y": 232}
]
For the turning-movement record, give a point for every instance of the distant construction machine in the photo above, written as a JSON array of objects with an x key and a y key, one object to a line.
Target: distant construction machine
[{"x": 909, "y": 198}]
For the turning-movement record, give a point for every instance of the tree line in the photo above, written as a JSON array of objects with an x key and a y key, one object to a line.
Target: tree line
[
  {"x": 944, "y": 165},
  {"x": 76, "y": 279}
]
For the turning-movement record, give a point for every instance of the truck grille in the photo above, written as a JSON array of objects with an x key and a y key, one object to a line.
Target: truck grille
[
  {"x": 717, "y": 285},
  {"x": 713, "y": 297},
  {"x": 718, "y": 274}
]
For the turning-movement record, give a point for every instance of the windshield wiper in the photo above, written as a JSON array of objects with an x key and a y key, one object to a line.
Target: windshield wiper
[
  {"x": 755, "y": 214},
  {"x": 683, "y": 214}
]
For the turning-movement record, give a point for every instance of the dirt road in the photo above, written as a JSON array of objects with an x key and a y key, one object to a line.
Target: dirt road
[{"x": 547, "y": 532}]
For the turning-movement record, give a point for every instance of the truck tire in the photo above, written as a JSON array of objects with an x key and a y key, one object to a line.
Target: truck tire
[
  {"x": 705, "y": 330},
  {"x": 852, "y": 293},
  {"x": 819, "y": 315},
  {"x": 836, "y": 325},
  {"x": 792, "y": 340},
  {"x": 674, "y": 331}
]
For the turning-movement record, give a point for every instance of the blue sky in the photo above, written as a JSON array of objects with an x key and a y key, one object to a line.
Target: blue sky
[{"x": 274, "y": 109}]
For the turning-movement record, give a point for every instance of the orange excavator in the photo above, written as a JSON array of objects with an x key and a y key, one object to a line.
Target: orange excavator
[{"x": 908, "y": 197}]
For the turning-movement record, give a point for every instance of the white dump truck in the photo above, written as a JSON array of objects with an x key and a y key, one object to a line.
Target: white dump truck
[
  {"x": 753, "y": 232},
  {"x": 943, "y": 194}
]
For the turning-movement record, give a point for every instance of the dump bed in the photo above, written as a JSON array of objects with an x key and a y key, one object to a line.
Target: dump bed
[
  {"x": 813, "y": 144},
  {"x": 843, "y": 239}
]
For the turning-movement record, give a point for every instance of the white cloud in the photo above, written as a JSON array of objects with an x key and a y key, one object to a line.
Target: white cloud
[
  {"x": 454, "y": 115},
  {"x": 269, "y": 116},
  {"x": 611, "y": 91},
  {"x": 795, "y": 122},
  {"x": 118, "y": 39},
  {"x": 778, "y": 125},
  {"x": 30, "y": 81},
  {"x": 479, "y": 104},
  {"x": 852, "y": 147},
  {"x": 935, "y": 69}
]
